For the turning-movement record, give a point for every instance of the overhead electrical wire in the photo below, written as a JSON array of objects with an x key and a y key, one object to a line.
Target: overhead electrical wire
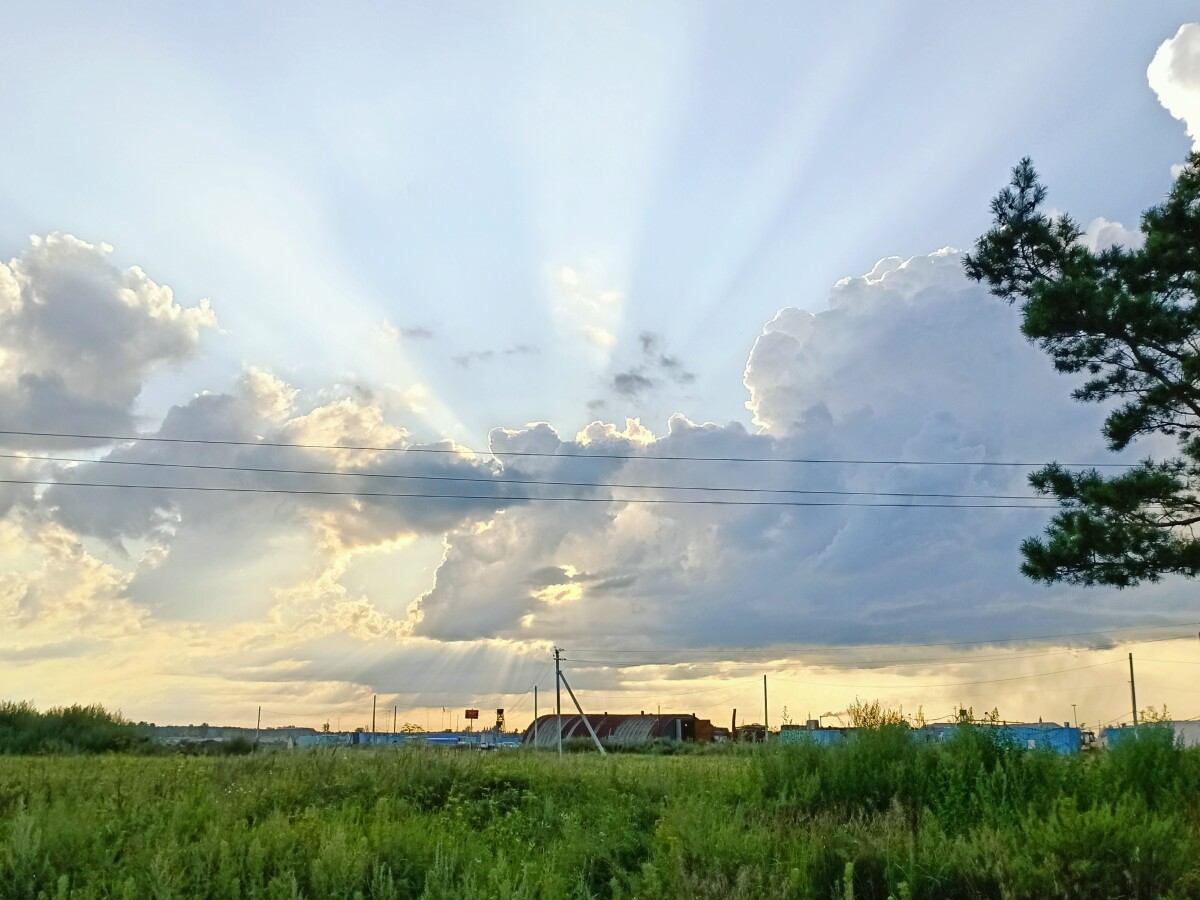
[
  {"x": 522, "y": 481},
  {"x": 115, "y": 438},
  {"x": 514, "y": 499},
  {"x": 875, "y": 663},
  {"x": 947, "y": 684},
  {"x": 998, "y": 640}
]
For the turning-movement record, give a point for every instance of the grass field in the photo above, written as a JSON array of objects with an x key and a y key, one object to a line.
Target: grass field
[{"x": 878, "y": 817}]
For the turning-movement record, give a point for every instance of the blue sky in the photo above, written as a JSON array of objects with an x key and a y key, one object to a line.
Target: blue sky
[
  {"x": 437, "y": 221},
  {"x": 317, "y": 172}
]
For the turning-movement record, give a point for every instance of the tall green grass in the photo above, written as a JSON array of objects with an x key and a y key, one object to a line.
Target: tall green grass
[{"x": 880, "y": 817}]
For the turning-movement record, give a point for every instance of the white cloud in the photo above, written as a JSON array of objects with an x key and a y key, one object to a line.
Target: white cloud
[
  {"x": 52, "y": 589},
  {"x": 332, "y": 598},
  {"x": 79, "y": 336},
  {"x": 1174, "y": 74},
  {"x": 1100, "y": 234},
  {"x": 270, "y": 396},
  {"x": 911, "y": 361}
]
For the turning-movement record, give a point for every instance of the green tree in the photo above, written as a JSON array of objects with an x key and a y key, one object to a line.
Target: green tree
[
  {"x": 1129, "y": 321},
  {"x": 874, "y": 715}
]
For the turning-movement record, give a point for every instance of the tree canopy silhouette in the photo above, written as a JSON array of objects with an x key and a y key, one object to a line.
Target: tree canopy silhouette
[{"x": 1128, "y": 320}]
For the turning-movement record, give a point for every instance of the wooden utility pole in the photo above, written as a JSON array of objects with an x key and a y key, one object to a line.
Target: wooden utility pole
[
  {"x": 558, "y": 694},
  {"x": 1132, "y": 691},
  {"x": 766, "y": 714},
  {"x": 374, "y": 698},
  {"x": 258, "y": 726},
  {"x": 535, "y": 743}
]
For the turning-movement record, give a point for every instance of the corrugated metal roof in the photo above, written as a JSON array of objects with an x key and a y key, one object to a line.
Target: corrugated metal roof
[
  {"x": 633, "y": 729},
  {"x": 618, "y": 729}
]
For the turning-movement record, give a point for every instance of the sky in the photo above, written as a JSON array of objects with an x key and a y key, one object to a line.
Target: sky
[{"x": 540, "y": 243}]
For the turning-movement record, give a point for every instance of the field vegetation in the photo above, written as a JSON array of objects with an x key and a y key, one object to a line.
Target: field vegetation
[
  {"x": 881, "y": 816},
  {"x": 65, "y": 729}
]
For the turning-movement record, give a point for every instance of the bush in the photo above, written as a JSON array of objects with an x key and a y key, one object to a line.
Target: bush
[{"x": 64, "y": 729}]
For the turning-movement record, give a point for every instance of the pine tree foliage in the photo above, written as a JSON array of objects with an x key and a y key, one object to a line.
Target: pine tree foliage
[{"x": 1128, "y": 320}]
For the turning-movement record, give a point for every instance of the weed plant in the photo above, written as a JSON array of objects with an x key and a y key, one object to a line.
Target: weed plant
[{"x": 878, "y": 817}]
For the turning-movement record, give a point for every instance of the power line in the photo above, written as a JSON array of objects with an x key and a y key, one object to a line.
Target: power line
[
  {"x": 1178, "y": 662},
  {"x": 1001, "y": 640},
  {"x": 950, "y": 683},
  {"x": 521, "y": 481},
  {"x": 606, "y": 694},
  {"x": 532, "y": 453},
  {"x": 522, "y": 499},
  {"x": 868, "y": 663}
]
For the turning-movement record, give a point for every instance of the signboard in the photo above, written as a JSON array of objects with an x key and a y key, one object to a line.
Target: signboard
[{"x": 472, "y": 714}]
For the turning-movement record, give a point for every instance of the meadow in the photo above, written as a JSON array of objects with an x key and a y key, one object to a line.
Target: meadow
[{"x": 881, "y": 817}]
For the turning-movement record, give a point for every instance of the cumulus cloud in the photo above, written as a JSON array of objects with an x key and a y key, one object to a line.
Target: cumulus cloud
[
  {"x": 1174, "y": 75},
  {"x": 910, "y": 361},
  {"x": 335, "y": 596},
  {"x": 375, "y": 501},
  {"x": 1100, "y": 234},
  {"x": 79, "y": 336},
  {"x": 56, "y": 598}
]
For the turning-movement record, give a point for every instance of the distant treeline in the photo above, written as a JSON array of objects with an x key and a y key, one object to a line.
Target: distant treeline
[{"x": 65, "y": 729}]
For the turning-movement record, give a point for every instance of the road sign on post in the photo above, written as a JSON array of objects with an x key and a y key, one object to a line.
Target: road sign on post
[{"x": 472, "y": 714}]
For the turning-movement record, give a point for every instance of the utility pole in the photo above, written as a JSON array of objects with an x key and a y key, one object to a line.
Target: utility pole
[
  {"x": 583, "y": 715},
  {"x": 373, "y": 699},
  {"x": 1076, "y": 714},
  {"x": 258, "y": 726},
  {"x": 766, "y": 714},
  {"x": 558, "y": 694},
  {"x": 1132, "y": 691},
  {"x": 535, "y": 716},
  {"x": 395, "y": 712}
]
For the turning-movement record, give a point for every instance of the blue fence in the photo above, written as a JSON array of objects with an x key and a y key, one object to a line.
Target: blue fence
[
  {"x": 382, "y": 739},
  {"x": 1034, "y": 736},
  {"x": 1113, "y": 736}
]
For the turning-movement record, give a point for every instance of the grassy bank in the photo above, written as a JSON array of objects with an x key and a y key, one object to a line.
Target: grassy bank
[{"x": 879, "y": 817}]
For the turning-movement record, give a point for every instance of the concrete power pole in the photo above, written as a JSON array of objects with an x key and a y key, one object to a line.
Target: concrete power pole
[
  {"x": 558, "y": 694},
  {"x": 1132, "y": 691},
  {"x": 535, "y": 743}
]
